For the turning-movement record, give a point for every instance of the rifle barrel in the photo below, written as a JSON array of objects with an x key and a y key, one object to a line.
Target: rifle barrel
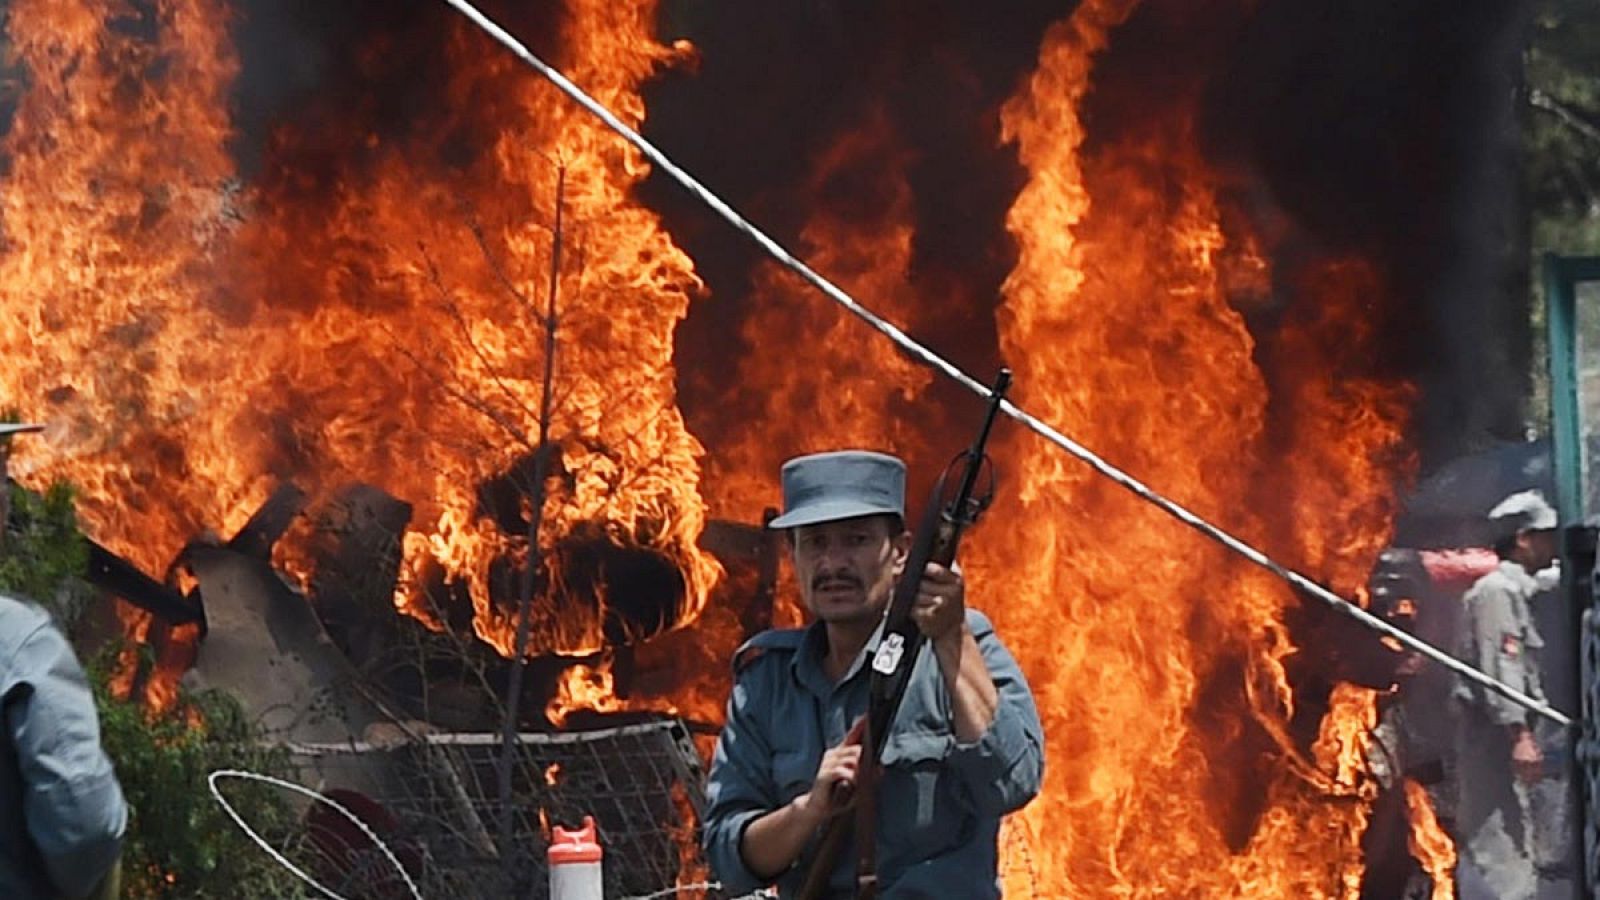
[{"x": 969, "y": 478}]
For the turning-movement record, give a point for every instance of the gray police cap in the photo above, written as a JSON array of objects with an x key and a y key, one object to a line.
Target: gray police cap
[{"x": 844, "y": 484}]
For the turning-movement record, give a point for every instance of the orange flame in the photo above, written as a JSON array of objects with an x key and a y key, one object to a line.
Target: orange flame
[
  {"x": 855, "y": 388},
  {"x": 693, "y": 873},
  {"x": 583, "y": 687},
  {"x": 1429, "y": 843},
  {"x": 1158, "y": 660},
  {"x": 117, "y": 201},
  {"x": 190, "y": 341},
  {"x": 453, "y": 267}
]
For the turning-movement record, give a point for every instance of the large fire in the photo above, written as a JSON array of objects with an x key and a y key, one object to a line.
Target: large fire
[
  {"x": 193, "y": 340},
  {"x": 367, "y": 306},
  {"x": 860, "y": 233},
  {"x": 1179, "y": 779}
]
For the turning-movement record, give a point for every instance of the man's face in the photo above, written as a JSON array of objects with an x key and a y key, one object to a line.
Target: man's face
[
  {"x": 847, "y": 569},
  {"x": 1538, "y": 548}
]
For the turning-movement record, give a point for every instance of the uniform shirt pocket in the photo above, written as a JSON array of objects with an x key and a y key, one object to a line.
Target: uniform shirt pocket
[{"x": 914, "y": 774}]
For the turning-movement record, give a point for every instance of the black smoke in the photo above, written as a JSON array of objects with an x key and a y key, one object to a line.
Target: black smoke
[
  {"x": 1390, "y": 130},
  {"x": 1386, "y": 131}
]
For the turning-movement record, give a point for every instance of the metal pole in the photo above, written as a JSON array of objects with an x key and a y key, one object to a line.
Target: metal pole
[
  {"x": 1560, "y": 277},
  {"x": 536, "y": 499}
]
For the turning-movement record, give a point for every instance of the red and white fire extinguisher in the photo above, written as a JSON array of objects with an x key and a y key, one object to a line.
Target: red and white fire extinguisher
[{"x": 575, "y": 863}]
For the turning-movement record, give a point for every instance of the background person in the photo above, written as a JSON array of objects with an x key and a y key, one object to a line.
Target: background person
[{"x": 1498, "y": 754}]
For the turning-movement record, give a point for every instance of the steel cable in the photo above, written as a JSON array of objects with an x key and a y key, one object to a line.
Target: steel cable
[{"x": 910, "y": 346}]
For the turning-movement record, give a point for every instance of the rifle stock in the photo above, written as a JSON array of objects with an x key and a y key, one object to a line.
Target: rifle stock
[
  {"x": 832, "y": 844},
  {"x": 937, "y": 537}
]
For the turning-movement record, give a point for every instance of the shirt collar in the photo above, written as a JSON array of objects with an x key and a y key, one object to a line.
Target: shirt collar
[
  {"x": 807, "y": 664},
  {"x": 1519, "y": 576}
]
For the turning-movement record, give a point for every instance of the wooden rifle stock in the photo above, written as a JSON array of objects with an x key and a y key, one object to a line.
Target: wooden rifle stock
[
  {"x": 936, "y": 541},
  {"x": 835, "y": 833}
]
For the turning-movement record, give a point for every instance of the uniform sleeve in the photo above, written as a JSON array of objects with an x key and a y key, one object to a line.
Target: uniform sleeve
[
  {"x": 1492, "y": 643},
  {"x": 1002, "y": 770},
  {"x": 71, "y": 799},
  {"x": 739, "y": 790}
]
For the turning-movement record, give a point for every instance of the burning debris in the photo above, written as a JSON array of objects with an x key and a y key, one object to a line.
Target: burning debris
[{"x": 353, "y": 304}]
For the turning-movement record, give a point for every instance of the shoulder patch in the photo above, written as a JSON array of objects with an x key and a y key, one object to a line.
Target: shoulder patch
[{"x": 785, "y": 640}]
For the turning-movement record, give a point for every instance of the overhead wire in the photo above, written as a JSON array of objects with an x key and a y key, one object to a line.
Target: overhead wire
[{"x": 918, "y": 351}]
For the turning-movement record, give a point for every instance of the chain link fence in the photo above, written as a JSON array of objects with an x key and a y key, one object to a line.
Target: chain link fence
[{"x": 433, "y": 802}]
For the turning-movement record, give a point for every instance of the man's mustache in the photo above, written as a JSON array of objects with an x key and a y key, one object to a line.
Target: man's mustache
[{"x": 834, "y": 580}]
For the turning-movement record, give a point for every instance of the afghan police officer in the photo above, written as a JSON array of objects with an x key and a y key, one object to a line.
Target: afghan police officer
[
  {"x": 1498, "y": 754},
  {"x": 965, "y": 748}
]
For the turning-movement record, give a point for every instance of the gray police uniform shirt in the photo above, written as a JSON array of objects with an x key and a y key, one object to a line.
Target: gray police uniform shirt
[
  {"x": 62, "y": 814},
  {"x": 940, "y": 800},
  {"x": 1499, "y": 637}
]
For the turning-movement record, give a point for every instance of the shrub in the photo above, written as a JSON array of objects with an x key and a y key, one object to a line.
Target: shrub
[
  {"x": 180, "y": 842},
  {"x": 44, "y": 555}
]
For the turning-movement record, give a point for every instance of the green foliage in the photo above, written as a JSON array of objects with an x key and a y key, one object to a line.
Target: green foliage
[
  {"x": 180, "y": 842},
  {"x": 43, "y": 553},
  {"x": 1561, "y": 152},
  {"x": 1563, "y": 134}
]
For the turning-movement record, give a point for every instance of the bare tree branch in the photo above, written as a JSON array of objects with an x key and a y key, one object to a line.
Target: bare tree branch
[
  {"x": 466, "y": 333},
  {"x": 460, "y": 394},
  {"x": 536, "y": 500},
  {"x": 1541, "y": 100}
]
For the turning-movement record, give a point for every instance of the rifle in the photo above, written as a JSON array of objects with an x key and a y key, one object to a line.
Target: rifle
[{"x": 936, "y": 540}]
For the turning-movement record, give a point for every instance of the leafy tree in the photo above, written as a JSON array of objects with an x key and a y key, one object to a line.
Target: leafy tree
[
  {"x": 1562, "y": 140},
  {"x": 43, "y": 553},
  {"x": 1561, "y": 153}
]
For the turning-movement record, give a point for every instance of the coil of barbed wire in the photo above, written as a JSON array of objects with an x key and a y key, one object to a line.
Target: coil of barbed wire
[{"x": 277, "y": 856}]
